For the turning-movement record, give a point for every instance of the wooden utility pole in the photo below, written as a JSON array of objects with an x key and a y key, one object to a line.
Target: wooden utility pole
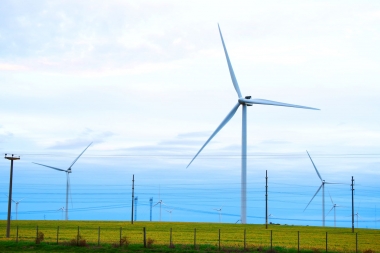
[
  {"x": 11, "y": 158},
  {"x": 133, "y": 195}
]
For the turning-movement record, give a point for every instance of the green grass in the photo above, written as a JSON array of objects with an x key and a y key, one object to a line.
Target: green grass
[{"x": 285, "y": 238}]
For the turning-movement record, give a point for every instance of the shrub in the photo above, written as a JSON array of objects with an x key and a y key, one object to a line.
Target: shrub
[
  {"x": 368, "y": 251},
  {"x": 149, "y": 242},
  {"x": 124, "y": 241},
  {"x": 40, "y": 237}
]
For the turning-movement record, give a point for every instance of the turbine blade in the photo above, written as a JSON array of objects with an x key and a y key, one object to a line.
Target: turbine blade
[
  {"x": 331, "y": 198},
  {"x": 313, "y": 196},
  {"x": 232, "y": 74},
  {"x": 79, "y": 156},
  {"x": 330, "y": 210},
  {"x": 224, "y": 122},
  {"x": 314, "y": 166},
  {"x": 260, "y": 101},
  {"x": 54, "y": 168}
]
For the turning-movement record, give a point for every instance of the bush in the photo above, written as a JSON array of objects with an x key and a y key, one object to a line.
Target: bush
[
  {"x": 40, "y": 237},
  {"x": 78, "y": 241},
  {"x": 368, "y": 251},
  {"x": 149, "y": 242}
]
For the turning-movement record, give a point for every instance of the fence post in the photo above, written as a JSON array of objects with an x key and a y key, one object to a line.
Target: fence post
[
  {"x": 98, "y": 235},
  {"x": 195, "y": 238},
  {"x": 356, "y": 242},
  {"x": 120, "y": 235},
  {"x": 298, "y": 241},
  {"x": 144, "y": 237},
  {"x": 245, "y": 232},
  {"x": 326, "y": 241},
  {"x": 271, "y": 240},
  {"x": 78, "y": 237},
  {"x": 57, "y": 234},
  {"x": 170, "y": 243},
  {"x": 219, "y": 239},
  {"x": 17, "y": 234}
]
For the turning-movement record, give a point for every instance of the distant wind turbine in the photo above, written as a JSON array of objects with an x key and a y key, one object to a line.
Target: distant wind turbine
[
  {"x": 159, "y": 202},
  {"x": 244, "y": 102},
  {"x": 68, "y": 171},
  {"x": 220, "y": 213},
  {"x": 170, "y": 212},
  {"x": 323, "y": 191},
  {"x": 333, "y": 207},
  {"x": 61, "y": 209},
  {"x": 17, "y": 202}
]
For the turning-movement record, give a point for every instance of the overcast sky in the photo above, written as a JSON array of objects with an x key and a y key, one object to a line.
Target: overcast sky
[{"x": 148, "y": 83}]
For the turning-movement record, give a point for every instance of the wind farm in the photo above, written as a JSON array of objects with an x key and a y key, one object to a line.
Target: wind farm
[{"x": 142, "y": 90}]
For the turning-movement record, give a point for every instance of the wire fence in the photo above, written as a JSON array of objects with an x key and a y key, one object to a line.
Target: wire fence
[{"x": 230, "y": 237}]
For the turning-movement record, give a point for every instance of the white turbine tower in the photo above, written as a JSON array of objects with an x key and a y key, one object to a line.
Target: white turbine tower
[
  {"x": 61, "y": 209},
  {"x": 68, "y": 171},
  {"x": 323, "y": 191},
  {"x": 17, "y": 202},
  {"x": 244, "y": 102}
]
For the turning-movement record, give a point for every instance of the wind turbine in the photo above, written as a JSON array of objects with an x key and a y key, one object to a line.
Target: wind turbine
[
  {"x": 357, "y": 219},
  {"x": 244, "y": 102},
  {"x": 61, "y": 209},
  {"x": 333, "y": 207},
  {"x": 323, "y": 191},
  {"x": 170, "y": 211},
  {"x": 68, "y": 171},
  {"x": 17, "y": 202},
  {"x": 159, "y": 202},
  {"x": 220, "y": 213}
]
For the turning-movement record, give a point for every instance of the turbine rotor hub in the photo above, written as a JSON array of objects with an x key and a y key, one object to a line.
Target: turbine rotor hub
[{"x": 244, "y": 101}]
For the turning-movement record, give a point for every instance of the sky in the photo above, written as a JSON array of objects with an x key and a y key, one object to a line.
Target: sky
[{"x": 147, "y": 83}]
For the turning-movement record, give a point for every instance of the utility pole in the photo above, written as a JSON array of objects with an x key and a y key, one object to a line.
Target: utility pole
[
  {"x": 133, "y": 195},
  {"x": 352, "y": 194},
  {"x": 11, "y": 158},
  {"x": 266, "y": 199},
  {"x": 151, "y": 206}
]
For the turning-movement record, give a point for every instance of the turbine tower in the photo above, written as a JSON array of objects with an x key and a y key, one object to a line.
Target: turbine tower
[
  {"x": 136, "y": 199},
  {"x": 244, "y": 102},
  {"x": 323, "y": 191},
  {"x": 151, "y": 207},
  {"x": 68, "y": 171}
]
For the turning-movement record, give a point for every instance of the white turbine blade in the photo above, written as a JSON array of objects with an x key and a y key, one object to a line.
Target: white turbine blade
[
  {"x": 54, "y": 168},
  {"x": 314, "y": 166},
  {"x": 224, "y": 122},
  {"x": 260, "y": 101},
  {"x": 80, "y": 155},
  {"x": 233, "y": 77},
  {"x": 331, "y": 198},
  {"x": 313, "y": 196},
  {"x": 157, "y": 203}
]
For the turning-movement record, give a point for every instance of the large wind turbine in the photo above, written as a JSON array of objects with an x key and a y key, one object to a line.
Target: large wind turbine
[
  {"x": 68, "y": 171},
  {"x": 323, "y": 191},
  {"x": 244, "y": 102},
  {"x": 17, "y": 202}
]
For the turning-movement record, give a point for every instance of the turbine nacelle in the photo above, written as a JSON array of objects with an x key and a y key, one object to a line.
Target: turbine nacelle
[{"x": 68, "y": 170}]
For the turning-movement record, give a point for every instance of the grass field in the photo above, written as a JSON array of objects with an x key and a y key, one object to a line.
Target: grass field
[{"x": 312, "y": 239}]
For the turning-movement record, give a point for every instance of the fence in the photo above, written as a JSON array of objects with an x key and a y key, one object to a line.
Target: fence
[{"x": 242, "y": 237}]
